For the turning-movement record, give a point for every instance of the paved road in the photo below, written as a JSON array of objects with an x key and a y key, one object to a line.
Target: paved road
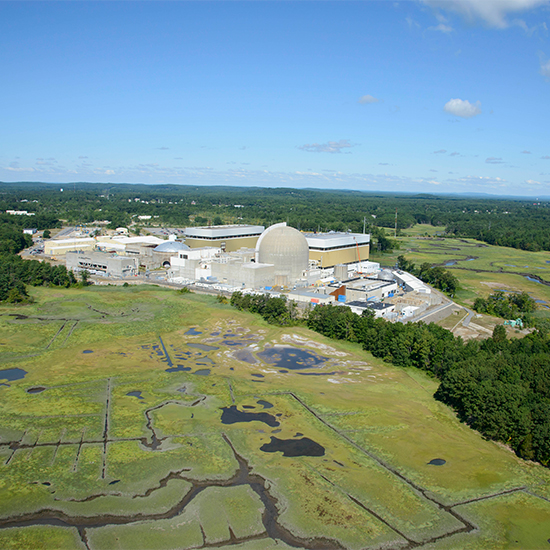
[
  {"x": 64, "y": 232},
  {"x": 469, "y": 317},
  {"x": 439, "y": 312}
]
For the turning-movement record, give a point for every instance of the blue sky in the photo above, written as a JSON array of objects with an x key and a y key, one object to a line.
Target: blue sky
[{"x": 422, "y": 95}]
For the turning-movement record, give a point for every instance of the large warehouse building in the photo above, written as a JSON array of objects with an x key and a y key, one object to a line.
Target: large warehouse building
[
  {"x": 229, "y": 238},
  {"x": 330, "y": 249}
]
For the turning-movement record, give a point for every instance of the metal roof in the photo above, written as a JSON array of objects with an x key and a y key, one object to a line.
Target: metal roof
[
  {"x": 224, "y": 231},
  {"x": 333, "y": 240}
]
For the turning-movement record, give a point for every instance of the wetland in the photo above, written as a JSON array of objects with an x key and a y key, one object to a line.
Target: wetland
[{"x": 133, "y": 447}]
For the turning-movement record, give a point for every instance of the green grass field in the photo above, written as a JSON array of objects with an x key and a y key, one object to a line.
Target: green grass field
[{"x": 121, "y": 445}]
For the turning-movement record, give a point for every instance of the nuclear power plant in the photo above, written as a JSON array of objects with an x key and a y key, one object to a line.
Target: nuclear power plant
[
  {"x": 311, "y": 268},
  {"x": 282, "y": 257}
]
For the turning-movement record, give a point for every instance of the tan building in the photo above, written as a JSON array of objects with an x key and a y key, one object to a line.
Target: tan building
[
  {"x": 229, "y": 238},
  {"x": 62, "y": 246},
  {"x": 330, "y": 249}
]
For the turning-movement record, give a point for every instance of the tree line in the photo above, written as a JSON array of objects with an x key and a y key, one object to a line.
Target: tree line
[
  {"x": 507, "y": 305},
  {"x": 16, "y": 273},
  {"x": 499, "y": 221}
]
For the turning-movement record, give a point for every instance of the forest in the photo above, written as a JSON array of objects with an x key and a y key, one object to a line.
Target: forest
[
  {"x": 507, "y": 305},
  {"x": 16, "y": 273},
  {"x": 518, "y": 223},
  {"x": 497, "y": 386}
]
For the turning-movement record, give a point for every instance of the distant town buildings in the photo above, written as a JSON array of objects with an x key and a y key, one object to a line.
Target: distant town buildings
[{"x": 19, "y": 213}]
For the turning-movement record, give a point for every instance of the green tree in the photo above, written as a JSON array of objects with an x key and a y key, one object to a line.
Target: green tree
[
  {"x": 499, "y": 333},
  {"x": 84, "y": 277}
]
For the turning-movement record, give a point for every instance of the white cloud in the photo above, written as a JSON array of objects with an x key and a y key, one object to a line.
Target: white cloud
[
  {"x": 442, "y": 28},
  {"x": 367, "y": 99},
  {"x": 494, "y": 160},
  {"x": 492, "y": 12},
  {"x": 412, "y": 23},
  {"x": 480, "y": 180},
  {"x": 462, "y": 108},
  {"x": 545, "y": 67},
  {"x": 329, "y": 147},
  {"x": 454, "y": 154}
]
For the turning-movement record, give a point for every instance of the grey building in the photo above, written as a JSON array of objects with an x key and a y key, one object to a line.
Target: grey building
[{"x": 102, "y": 263}]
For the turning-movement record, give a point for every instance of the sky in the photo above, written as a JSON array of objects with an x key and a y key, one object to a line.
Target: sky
[{"x": 431, "y": 96}]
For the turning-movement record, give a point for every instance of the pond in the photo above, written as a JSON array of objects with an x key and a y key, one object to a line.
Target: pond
[
  {"x": 293, "y": 447},
  {"x": 178, "y": 368},
  {"x": 233, "y": 343},
  {"x": 232, "y": 415},
  {"x": 437, "y": 462},
  {"x": 291, "y": 358},
  {"x": 12, "y": 374},
  {"x": 203, "y": 347},
  {"x": 193, "y": 332},
  {"x": 135, "y": 394},
  {"x": 205, "y": 361},
  {"x": 202, "y": 372}
]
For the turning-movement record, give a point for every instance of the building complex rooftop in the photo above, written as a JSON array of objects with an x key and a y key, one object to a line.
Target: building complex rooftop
[
  {"x": 215, "y": 232},
  {"x": 330, "y": 241}
]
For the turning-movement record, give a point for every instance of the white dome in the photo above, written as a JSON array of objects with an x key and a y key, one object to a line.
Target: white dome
[
  {"x": 171, "y": 246},
  {"x": 287, "y": 249}
]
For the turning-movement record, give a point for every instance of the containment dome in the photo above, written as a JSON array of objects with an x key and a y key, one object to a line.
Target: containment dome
[
  {"x": 287, "y": 249},
  {"x": 171, "y": 246}
]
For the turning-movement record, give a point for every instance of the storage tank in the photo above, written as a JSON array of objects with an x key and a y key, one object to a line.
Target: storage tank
[{"x": 341, "y": 272}]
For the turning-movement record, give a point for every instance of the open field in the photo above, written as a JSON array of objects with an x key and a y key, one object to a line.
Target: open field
[{"x": 142, "y": 418}]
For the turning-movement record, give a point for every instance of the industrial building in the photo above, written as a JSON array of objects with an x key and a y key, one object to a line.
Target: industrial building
[
  {"x": 229, "y": 238},
  {"x": 102, "y": 263},
  {"x": 330, "y": 249},
  {"x": 380, "y": 309},
  {"x": 280, "y": 258},
  {"x": 369, "y": 289},
  {"x": 62, "y": 246}
]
